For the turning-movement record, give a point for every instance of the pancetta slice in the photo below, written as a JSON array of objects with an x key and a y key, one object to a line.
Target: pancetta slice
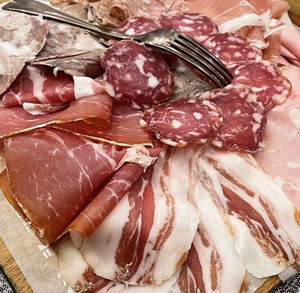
[
  {"x": 263, "y": 222},
  {"x": 94, "y": 109},
  {"x": 52, "y": 174},
  {"x": 149, "y": 231},
  {"x": 124, "y": 128},
  {"x": 22, "y": 37}
]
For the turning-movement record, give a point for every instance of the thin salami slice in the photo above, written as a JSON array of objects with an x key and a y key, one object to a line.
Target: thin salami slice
[
  {"x": 138, "y": 25},
  {"x": 230, "y": 47},
  {"x": 192, "y": 24},
  {"x": 264, "y": 79},
  {"x": 136, "y": 75},
  {"x": 183, "y": 121},
  {"x": 244, "y": 121}
]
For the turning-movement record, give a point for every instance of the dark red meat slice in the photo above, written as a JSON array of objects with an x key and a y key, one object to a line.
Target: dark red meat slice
[
  {"x": 183, "y": 121},
  {"x": 136, "y": 75},
  {"x": 244, "y": 119},
  {"x": 53, "y": 174},
  {"x": 230, "y": 47},
  {"x": 37, "y": 84},
  {"x": 264, "y": 79},
  {"x": 124, "y": 128},
  {"x": 192, "y": 24},
  {"x": 138, "y": 25}
]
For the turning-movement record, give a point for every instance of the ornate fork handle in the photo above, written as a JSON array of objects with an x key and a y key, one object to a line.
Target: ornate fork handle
[{"x": 38, "y": 8}]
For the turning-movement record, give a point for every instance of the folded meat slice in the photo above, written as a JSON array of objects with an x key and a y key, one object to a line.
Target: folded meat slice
[
  {"x": 22, "y": 37},
  {"x": 149, "y": 232},
  {"x": 53, "y": 173},
  {"x": 263, "y": 222},
  {"x": 280, "y": 153},
  {"x": 124, "y": 128},
  {"x": 94, "y": 109}
]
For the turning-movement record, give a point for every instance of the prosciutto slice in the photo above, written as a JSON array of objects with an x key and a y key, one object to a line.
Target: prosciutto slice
[
  {"x": 124, "y": 128},
  {"x": 22, "y": 37},
  {"x": 149, "y": 231},
  {"x": 95, "y": 109},
  {"x": 53, "y": 173}
]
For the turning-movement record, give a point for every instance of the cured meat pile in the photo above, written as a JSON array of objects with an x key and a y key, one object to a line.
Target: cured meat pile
[{"x": 142, "y": 176}]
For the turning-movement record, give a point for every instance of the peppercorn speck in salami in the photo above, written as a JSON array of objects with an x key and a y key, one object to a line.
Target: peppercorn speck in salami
[
  {"x": 138, "y": 25},
  {"x": 244, "y": 120},
  {"x": 192, "y": 24},
  {"x": 264, "y": 79},
  {"x": 183, "y": 121},
  {"x": 230, "y": 47},
  {"x": 137, "y": 75}
]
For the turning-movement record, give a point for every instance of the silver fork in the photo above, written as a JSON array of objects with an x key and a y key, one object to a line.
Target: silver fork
[{"x": 167, "y": 40}]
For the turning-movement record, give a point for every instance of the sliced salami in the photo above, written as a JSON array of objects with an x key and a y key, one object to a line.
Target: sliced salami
[
  {"x": 183, "y": 121},
  {"x": 230, "y": 47},
  {"x": 265, "y": 80},
  {"x": 244, "y": 121},
  {"x": 136, "y": 75},
  {"x": 192, "y": 24},
  {"x": 138, "y": 25}
]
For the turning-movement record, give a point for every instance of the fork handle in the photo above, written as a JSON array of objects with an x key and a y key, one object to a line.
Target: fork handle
[{"x": 38, "y": 8}]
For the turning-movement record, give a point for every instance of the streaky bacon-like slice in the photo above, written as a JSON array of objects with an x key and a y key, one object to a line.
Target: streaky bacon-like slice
[
  {"x": 124, "y": 128},
  {"x": 149, "y": 231},
  {"x": 264, "y": 223},
  {"x": 22, "y": 37},
  {"x": 16, "y": 120},
  {"x": 37, "y": 84},
  {"x": 279, "y": 156},
  {"x": 52, "y": 174},
  {"x": 80, "y": 276}
]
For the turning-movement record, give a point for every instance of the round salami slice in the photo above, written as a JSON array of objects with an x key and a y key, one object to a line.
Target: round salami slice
[
  {"x": 183, "y": 121},
  {"x": 138, "y": 25},
  {"x": 137, "y": 75},
  {"x": 230, "y": 47},
  {"x": 192, "y": 24},
  {"x": 264, "y": 79},
  {"x": 244, "y": 121}
]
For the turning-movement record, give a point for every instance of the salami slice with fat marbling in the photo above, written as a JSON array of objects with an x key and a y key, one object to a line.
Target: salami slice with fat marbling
[
  {"x": 230, "y": 47},
  {"x": 138, "y": 25},
  {"x": 244, "y": 120},
  {"x": 183, "y": 121},
  {"x": 264, "y": 79},
  {"x": 192, "y": 24},
  {"x": 137, "y": 75}
]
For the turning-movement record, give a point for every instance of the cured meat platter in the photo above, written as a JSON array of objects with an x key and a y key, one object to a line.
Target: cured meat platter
[{"x": 124, "y": 169}]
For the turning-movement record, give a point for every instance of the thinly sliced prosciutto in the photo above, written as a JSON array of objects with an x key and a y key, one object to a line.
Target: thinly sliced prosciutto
[
  {"x": 53, "y": 173},
  {"x": 94, "y": 108},
  {"x": 149, "y": 232},
  {"x": 22, "y": 37},
  {"x": 124, "y": 128}
]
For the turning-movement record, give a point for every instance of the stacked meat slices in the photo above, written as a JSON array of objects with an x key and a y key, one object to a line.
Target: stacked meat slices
[{"x": 194, "y": 212}]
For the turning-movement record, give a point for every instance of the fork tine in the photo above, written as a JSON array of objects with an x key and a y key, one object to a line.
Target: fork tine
[
  {"x": 201, "y": 61},
  {"x": 197, "y": 48},
  {"x": 202, "y": 69}
]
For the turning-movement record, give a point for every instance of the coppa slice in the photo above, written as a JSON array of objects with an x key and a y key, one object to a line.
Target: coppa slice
[
  {"x": 183, "y": 121},
  {"x": 137, "y": 75},
  {"x": 244, "y": 120},
  {"x": 53, "y": 173},
  {"x": 192, "y": 24},
  {"x": 264, "y": 79},
  {"x": 37, "y": 84}
]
